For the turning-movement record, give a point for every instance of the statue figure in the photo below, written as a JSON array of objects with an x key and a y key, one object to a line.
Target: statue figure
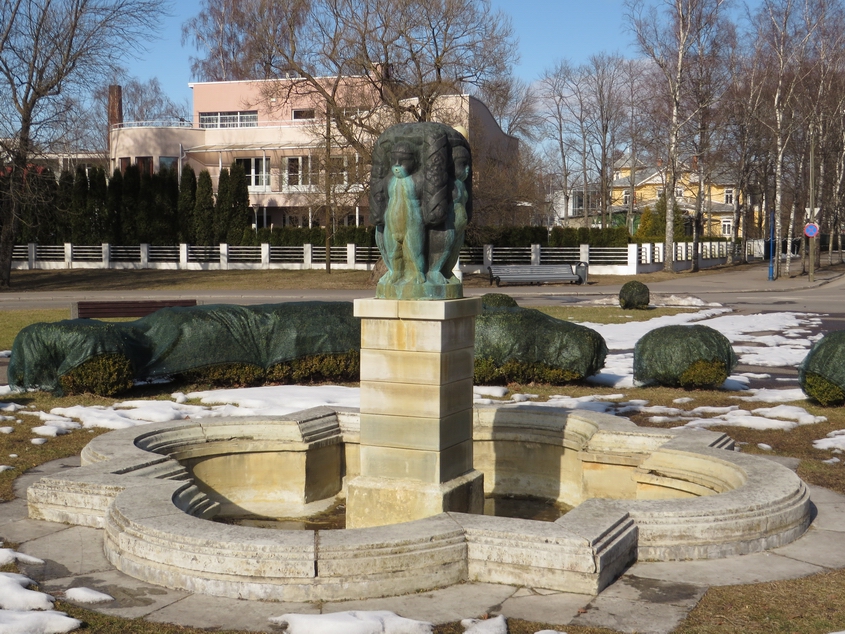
[{"x": 420, "y": 202}]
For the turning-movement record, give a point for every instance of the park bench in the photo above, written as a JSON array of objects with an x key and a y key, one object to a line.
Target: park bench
[
  {"x": 538, "y": 274},
  {"x": 140, "y": 308}
]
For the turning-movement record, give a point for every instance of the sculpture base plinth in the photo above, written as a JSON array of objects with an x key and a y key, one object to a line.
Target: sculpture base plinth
[
  {"x": 375, "y": 501},
  {"x": 427, "y": 290}
]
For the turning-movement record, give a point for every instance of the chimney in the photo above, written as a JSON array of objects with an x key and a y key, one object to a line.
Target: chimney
[{"x": 115, "y": 113}]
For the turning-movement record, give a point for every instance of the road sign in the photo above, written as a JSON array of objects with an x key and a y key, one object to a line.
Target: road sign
[{"x": 811, "y": 230}]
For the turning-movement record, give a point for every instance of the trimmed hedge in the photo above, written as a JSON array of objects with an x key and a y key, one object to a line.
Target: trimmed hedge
[
  {"x": 297, "y": 236},
  {"x": 317, "y": 368},
  {"x": 104, "y": 375},
  {"x": 575, "y": 236}
]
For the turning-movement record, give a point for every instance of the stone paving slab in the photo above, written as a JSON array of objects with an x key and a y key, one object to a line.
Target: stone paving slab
[
  {"x": 730, "y": 571},
  {"x": 643, "y": 606},
  {"x": 132, "y": 598},
  {"x": 12, "y": 512},
  {"x": 75, "y": 551},
  {"x": 819, "y": 547},
  {"x": 218, "y": 613},
  {"x": 25, "y": 530},
  {"x": 558, "y": 608},
  {"x": 830, "y": 507},
  {"x": 463, "y": 601}
]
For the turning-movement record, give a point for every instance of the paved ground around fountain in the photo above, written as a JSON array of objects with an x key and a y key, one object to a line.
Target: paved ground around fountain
[{"x": 648, "y": 598}]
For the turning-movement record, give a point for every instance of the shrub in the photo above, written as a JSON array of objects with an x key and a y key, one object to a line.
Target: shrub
[
  {"x": 226, "y": 375},
  {"x": 526, "y": 346},
  {"x": 497, "y": 300},
  {"x": 683, "y": 356},
  {"x": 819, "y": 388},
  {"x": 822, "y": 372},
  {"x": 488, "y": 372},
  {"x": 104, "y": 375},
  {"x": 703, "y": 374},
  {"x": 317, "y": 368},
  {"x": 634, "y": 295}
]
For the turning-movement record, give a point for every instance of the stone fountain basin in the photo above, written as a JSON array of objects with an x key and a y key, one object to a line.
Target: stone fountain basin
[{"x": 638, "y": 493}]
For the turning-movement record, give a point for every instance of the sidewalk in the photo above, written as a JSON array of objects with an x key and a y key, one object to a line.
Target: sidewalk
[{"x": 650, "y": 598}]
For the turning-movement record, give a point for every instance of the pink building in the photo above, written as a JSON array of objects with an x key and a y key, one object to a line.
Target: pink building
[{"x": 275, "y": 132}]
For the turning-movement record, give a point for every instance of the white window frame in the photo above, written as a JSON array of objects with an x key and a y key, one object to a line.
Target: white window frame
[
  {"x": 303, "y": 173},
  {"x": 729, "y": 196},
  {"x": 626, "y": 197},
  {"x": 727, "y": 226},
  {"x": 229, "y": 119},
  {"x": 257, "y": 179}
]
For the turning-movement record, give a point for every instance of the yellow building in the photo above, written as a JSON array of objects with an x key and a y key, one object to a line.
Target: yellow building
[{"x": 649, "y": 184}]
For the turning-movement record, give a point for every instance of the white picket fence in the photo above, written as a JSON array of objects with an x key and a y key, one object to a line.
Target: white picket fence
[{"x": 628, "y": 260}]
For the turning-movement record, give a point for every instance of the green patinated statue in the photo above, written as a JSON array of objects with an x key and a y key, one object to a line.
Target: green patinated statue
[{"x": 420, "y": 202}]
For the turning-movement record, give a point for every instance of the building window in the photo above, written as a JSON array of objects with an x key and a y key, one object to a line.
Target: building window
[
  {"x": 145, "y": 164},
  {"x": 729, "y": 196},
  {"x": 124, "y": 162},
  {"x": 232, "y": 119},
  {"x": 166, "y": 163},
  {"x": 257, "y": 171},
  {"x": 304, "y": 114},
  {"x": 337, "y": 170},
  {"x": 679, "y": 192},
  {"x": 727, "y": 227},
  {"x": 298, "y": 171},
  {"x": 626, "y": 197}
]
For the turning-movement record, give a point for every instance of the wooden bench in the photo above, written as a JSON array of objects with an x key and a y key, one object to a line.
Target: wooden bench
[
  {"x": 140, "y": 308},
  {"x": 537, "y": 274}
]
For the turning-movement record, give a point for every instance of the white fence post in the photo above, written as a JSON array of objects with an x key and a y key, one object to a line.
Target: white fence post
[
  {"x": 488, "y": 256},
  {"x": 535, "y": 255},
  {"x": 106, "y": 255},
  {"x": 224, "y": 256},
  {"x": 183, "y": 255},
  {"x": 659, "y": 248},
  {"x": 30, "y": 255},
  {"x": 68, "y": 255},
  {"x": 633, "y": 258},
  {"x": 265, "y": 255},
  {"x": 145, "y": 256},
  {"x": 350, "y": 254},
  {"x": 584, "y": 255},
  {"x": 306, "y": 256}
]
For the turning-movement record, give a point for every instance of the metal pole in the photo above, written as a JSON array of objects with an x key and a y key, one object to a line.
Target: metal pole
[
  {"x": 812, "y": 239},
  {"x": 772, "y": 248}
]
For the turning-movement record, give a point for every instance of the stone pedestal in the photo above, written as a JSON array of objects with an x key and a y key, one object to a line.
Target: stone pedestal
[{"x": 416, "y": 412}]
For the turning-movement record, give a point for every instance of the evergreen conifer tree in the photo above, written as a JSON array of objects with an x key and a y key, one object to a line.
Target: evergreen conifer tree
[
  {"x": 204, "y": 210},
  {"x": 79, "y": 207},
  {"x": 240, "y": 212},
  {"x": 187, "y": 202},
  {"x": 129, "y": 208},
  {"x": 222, "y": 207},
  {"x": 115, "y": 201}
]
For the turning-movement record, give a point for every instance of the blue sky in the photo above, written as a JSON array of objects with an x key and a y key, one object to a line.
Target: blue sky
[{"x": 548, "y": 30}]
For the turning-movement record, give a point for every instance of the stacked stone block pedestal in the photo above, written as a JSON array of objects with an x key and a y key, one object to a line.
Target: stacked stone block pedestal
[{"x": 416, "y": 412}]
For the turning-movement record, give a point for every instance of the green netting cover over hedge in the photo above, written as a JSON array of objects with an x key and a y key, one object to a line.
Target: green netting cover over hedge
[
  {"x": 822, "y": 372},
  {"x": 525, "y": 336},
  {"x": 686, "y": 356},
  {"x": 176, "y": 340}
]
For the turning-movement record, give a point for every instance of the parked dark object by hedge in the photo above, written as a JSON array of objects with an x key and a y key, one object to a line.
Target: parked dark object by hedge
[
  {"x": 683, "y": 356},
  {"x": 523, "y": 345},
  {"x": 635, "y": 295},
  {"x": 822, "y": 372},
  {"x": 178, "y": 340}
]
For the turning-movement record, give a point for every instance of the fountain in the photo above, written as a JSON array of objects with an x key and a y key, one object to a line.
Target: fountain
[{"x": 414, "y": 463}]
